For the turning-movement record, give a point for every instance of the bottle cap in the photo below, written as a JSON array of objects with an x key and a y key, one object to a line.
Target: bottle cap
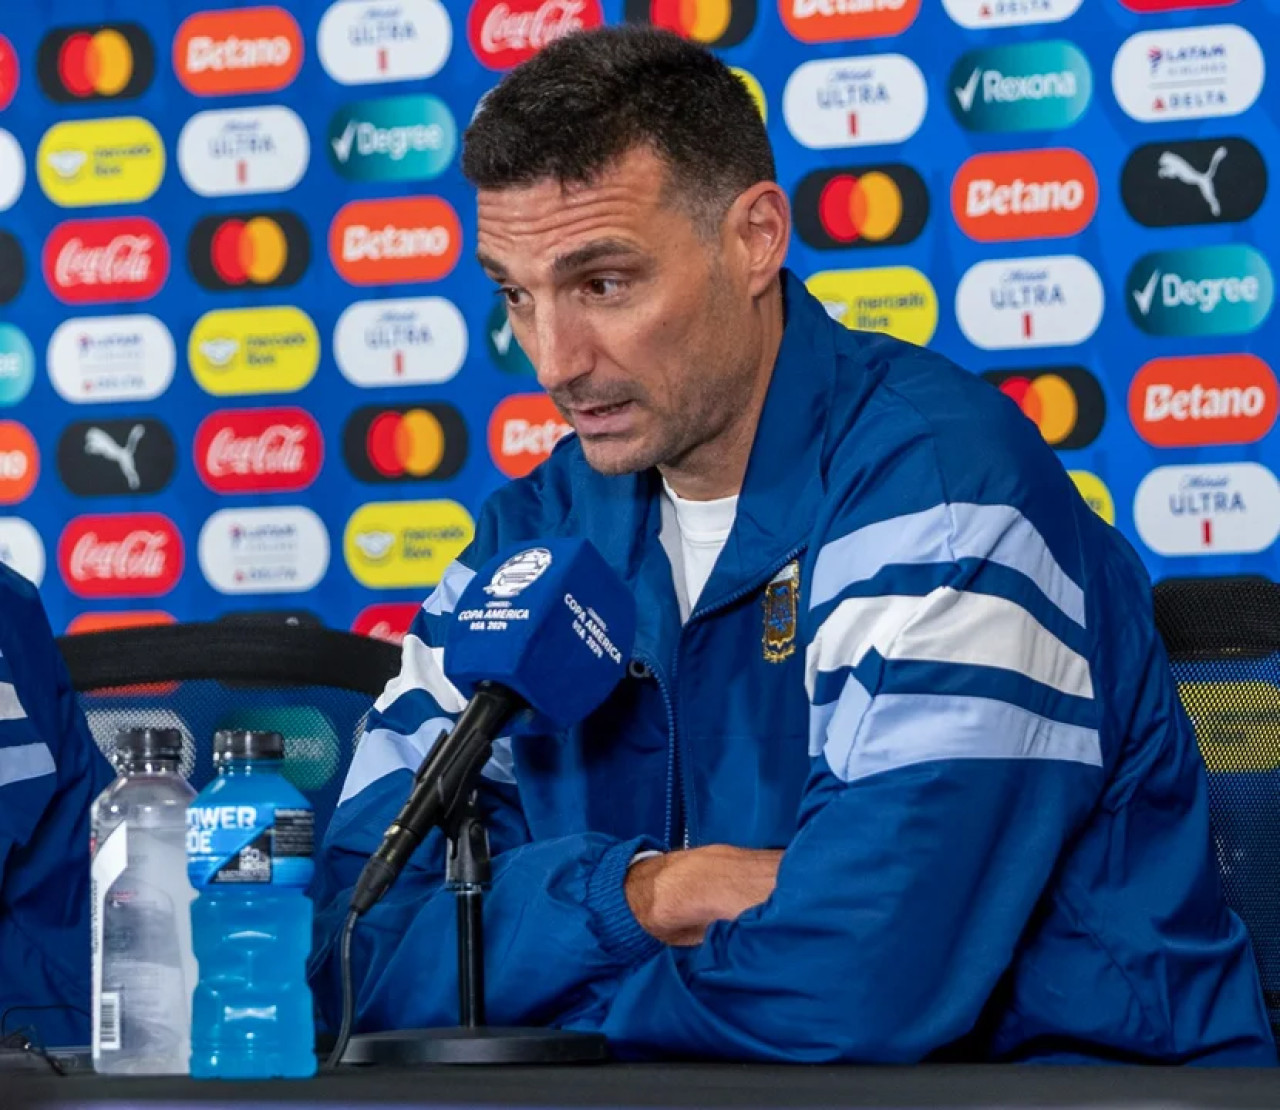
[
  {"x": 143, "y": 744},
  {"x": 236, "y": 743}
]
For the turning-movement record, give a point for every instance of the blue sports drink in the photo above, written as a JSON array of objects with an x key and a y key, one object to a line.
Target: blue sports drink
[{"x": 249, "y": 844}]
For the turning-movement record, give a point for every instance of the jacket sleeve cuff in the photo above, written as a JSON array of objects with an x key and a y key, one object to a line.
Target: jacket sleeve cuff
[{"x": 621, "y": 935}]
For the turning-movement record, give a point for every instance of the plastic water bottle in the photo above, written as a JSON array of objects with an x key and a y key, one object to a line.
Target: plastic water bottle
[
  {"x": 249, "y": 844},
  {"x": 143, "y": 966}
]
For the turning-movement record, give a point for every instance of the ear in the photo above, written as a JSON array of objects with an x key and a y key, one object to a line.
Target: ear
[{"x": 760, "y": 222}]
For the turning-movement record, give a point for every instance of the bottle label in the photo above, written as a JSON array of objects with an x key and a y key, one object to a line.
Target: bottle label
[
  {"x": 238, "y": 844},
  {"x": 110, "y": 858}
]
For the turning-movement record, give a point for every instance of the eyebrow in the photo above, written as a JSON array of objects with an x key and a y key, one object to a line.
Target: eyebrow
[{"x": 565, "y": 264}]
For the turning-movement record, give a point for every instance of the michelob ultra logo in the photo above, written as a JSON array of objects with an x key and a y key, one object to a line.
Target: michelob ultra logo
[
  {"x": 239, "y": 351},
  {"x": 385, "y": 242},
  {"x": 362, "y": 42},
  {"x": 856, "y": 101},
  {"x": 1221, "y": 290},
  {"x": 896, "y": 300},
  {"x": 235, "y": 151},
  {"x": 405, "y": 544},
  {"x": 13, "y": 170},
  {"x": 1033, "y": 86},
  {"x": 714, "y": 23},
  {"x": 1051, "y": 301},
  {"x": 840, "y": 20},
  {"x": 1206, "y": 510},
  {"x": 415, "y": 341},
  {"x": 105, "y": 161},
  {"x": 112, "y": 61},
  {"x": 400, "y": 138},
  {"x": 249, "y": 50},
  {"x": 1203, "y": 400}
]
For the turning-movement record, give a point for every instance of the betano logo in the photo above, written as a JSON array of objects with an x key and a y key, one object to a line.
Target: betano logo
[
  {"x": 981, "y": 14},
  {"x": 404, "y": 443},
  {"x": 856, "y": 101},
  {"x": 400, "y": 138},
  {"x": 415, "y": 341},
  {"x": 1188, "y": 73},
  {"x": 1095, "y": 494},
  {"x": 17, "y": 365},
  {"x": 523, "y": 431},
  {"x": 861, "y": 206},
  {"x": 385, "y": 242},
  {"x": 840, "y": 20},
  {"x": 236, "y": 151},
  {"x": 1024, "y": 194},
  {"x": 115, "y": 61},
  {"x": 19, "y": 462},
  {"x": 1221, "y": 290},
  {"x": 1231, "y": 509},
  {"x": 1065, "y": 402},
  {"x": 504, "y": 33},
  {"x": 227, "y": 53},
  {"x": 239, "y": 351},
  {"x": 363, "y": 42},
  {"x": 101, "y": 622},
  {"x": 9, "y": 72},
  {"x": 714, "y": 23},
  {"x": 258, "y": 249},
  {"x": 1034, "y": 86},
  {"x": 896, "y": 300},
  {"x": 104, "y": 161},
  {"x": 405, "y": 544},
  {"x": 1052, "y": 301},
  {"x": 1203, "y": 400}
]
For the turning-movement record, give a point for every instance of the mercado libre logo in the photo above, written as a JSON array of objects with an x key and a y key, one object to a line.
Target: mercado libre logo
[
  {"x": 1065, "y": 402},
  {"x": 399, "y": 138},
  {"x": 405, "y": 544},
  {"x": 405, "y": 443},
  {"x": 504, "y": 33},
  {"x": 238, "y": 351},
  {"x": 713, "y": 23},
  {"x": 861, "y": 206},
  {"x": 8, "y": 72},
  {"x": 896, "y": 300},
  {"x": 250, "y": 50},
  {"x": 257, "y": 250},
  {"x": 105, "y": 161},
  {"x": 1034, "y": 86},
  {"x": 383, "y": 242},
  {"x": 1219, "y": 290},
  {"x": 1024, "y": 194},
  {"x": 1203, "y": 400},
  {"x": 839, "y": 21},
  {"x": 113, "y": 61}
]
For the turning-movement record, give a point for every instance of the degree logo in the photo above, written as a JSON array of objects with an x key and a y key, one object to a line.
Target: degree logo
[
  {"x": 839, "y": 20},
  {"x": 500, "y": 341},
  {"x": 861, "y": 206},
  {"x": 17, "y": 365},
  {"x": 106, "y": 161},
  {"x": 19, "y": 462},
  {"x": 896, "y": 300},
  {"x": 1024, "y": 194},
  {"x": 384, "y": 242},
  {"x": 404, "y": 443},
  {"x": 250, "y": 50},
  {"x": 1065, "y": 402},
  {"x": 405, "y": 544},
  {"x": 97, "y": 62},
  {"x": 399, "y": 138},
  {"x": 8, "y": 72},
  {"x": 1220, "y": 290},
  {"x": 714, "y": 23},
  {"x": 255, "y": 249},
  {"x": 239, "y": 351},
  {"x": 1203, "y": 400},
  {"x": 523, "y": 431}
]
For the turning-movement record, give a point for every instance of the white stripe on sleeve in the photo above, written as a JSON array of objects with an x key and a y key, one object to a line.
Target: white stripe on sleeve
[
  {"x": 422, "y": 668},
  {"x": 10, "y": 707},
  {"x": 25, "y": 761}
]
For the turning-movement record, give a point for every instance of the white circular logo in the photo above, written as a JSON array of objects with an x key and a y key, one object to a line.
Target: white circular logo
[{"x": 519, "y": 572}]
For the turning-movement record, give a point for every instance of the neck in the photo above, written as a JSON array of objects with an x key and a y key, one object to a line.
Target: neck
[{"x": 716, "y": 467}]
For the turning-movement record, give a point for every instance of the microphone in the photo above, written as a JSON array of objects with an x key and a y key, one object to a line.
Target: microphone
[{"x": 540, "y": 637}]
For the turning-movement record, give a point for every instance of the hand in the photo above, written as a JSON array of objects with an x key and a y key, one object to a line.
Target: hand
[{"x": 677, "y": 895}]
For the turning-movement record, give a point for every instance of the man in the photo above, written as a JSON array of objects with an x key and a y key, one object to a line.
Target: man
[{"x": 899, "y": 770}]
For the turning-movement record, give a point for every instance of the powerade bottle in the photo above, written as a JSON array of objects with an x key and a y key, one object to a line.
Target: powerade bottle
[{"x": 249, "y": 845}]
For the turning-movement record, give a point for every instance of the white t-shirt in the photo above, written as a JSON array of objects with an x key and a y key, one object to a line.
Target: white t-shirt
[{"x": 693, "y": 534}]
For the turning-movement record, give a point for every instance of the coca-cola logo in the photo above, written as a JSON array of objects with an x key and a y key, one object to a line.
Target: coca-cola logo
[
  {"x": 259, "y": 450},
  {"x": 386, "y": 620},
  {"x": 504, "y": 33},
  {"x": 120, "y": 555},
  {"x": 99, "y": 261}
]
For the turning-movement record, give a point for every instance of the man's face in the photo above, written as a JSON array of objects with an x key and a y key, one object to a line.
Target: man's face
[{"x": 637, "y": 326}]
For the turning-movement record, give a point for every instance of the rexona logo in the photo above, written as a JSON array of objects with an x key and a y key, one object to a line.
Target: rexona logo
[
  {"x": 113, "y": 61},
  {"x": 111, "y": 358},
  {"x": 839, "y": 20},
  {"x": 1093, "y": 490},
  {"x": 400, "y": 138},
  {"x": 21, "y": 549},
  {"x": 236, "y": 151},
  {"x": 504, "y": 33},
  {"x": 896, "y": 300},
  {"x": 366, "y": 41},
  {"x": 1222, "y": 290},
  {"x": 120, "y": 555},
  {"x": 106, "y": 261},
  {"x": 13, "y": 267},
  {"x": 249, "y": 50},
  {"x": 238, "y": 351},
  {"x": 1032, "y": 86},
  {"x": 1199, "y": 181},
  {"x": 279, "y": 549},
  {"x": 523, "y": 429},
  {"x": 405, "y": 544},
  {"x": 1024, "y": 194},
  {"x": 405, "y": 443},
  {"x": 416, "y": 341},
  {"x": 384, "y": 242},
  {"x": 861, "y": 206},
  {"x": 387, "y": 620},
  {"x": 855, "y": 101},
  {"x": 249, "y": 249},
  {"x": 1188, "y": 73},
  {"x": 1208, "y": 510},
  {"x": 276, "y": 450},
  {"x": 1203, "y": 400},
  {"x": 977, "y": 14},
  {"x": 1065, "y": 402},
  {"x": 1054, "y": 301},
  {"x": 8, "y": 72},
  {"x": 715, "y": 23},
  {"x": 13, "y": 171},
  {"x": 19, "y": 462},
  {"x": 111, "y": 458},
  {"x": 105, "y": 161},
  {"x": 500, "y": 341},
  {"x": 17, "y": 365}
]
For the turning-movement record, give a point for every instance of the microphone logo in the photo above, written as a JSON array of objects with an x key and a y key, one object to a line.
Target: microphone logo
[{"x": 519, "y": 572}]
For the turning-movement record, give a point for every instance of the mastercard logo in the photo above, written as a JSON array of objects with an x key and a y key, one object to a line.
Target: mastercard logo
[
  {"x": 19, "y": 462},
  {"x": 1065, "y": 402},
  {"x": 717, "y": 23},
  {"x": 865, "y": 206},
  {"x": 405, "y": 443},
  {"x": 8, "y": 72},
  {"x": 266, "y": 250},
  {"x": 112, "y": 62}
]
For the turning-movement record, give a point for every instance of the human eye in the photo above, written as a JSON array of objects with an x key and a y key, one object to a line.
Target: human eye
[{"x": 604, "y": 288}]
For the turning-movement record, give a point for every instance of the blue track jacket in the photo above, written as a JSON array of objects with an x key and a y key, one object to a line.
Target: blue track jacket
[
  {"x": 50, "y": 772},
  {"x": 923, "y": 667}
]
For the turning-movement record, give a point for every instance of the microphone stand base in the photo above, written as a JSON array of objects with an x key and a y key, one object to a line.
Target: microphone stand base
[{"x": 406, "y": 1048}]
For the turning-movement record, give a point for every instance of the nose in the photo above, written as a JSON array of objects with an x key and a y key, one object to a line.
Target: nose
[{"x": 562, "y": 351}]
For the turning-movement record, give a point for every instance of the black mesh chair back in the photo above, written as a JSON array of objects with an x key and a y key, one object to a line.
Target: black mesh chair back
[
  {"x": 313, "y": 685},
  {"x": 1223, "y": 639}
]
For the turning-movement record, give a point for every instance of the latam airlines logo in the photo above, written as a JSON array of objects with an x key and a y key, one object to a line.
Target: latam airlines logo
[
  {"x": 236, "y": 151},
  {"x": 105, "y": 161},
  {"x": 364, "y": 42},
  {"x": 415, "y": 341},
  {"x": 1032, "y": 86},
  {"x": 385, "y": 242},
  {"x": 842, "y": 102},
  {"x": 1189, "y": 73},
  {"x": 1222, "y": 290},
  {"x": 227, "y": 53},
  {"x": 1199, "y": 181},
  {"x": 1054, "y": 301},
  {"x": 1024, "y": 194},
  {"x": 504, "y": 33},
  {"x": 278, "y": 450},
  {"x": 713, "y": 23},
  {"x": 980, "y": 14},
  {"x": 1208, "y": 510},
  {"x": 1203, "y": 400},
  {"x": 841, "y": 20},
  {"x": 271, "y": 550},
  {"x": 120, "y": 555},
  {"x": 114, "y": 61},
  {"x": 103, "y": 261},
  {"x": 861, "y": 206},
  {"x": 399, "y": 138},
  {"x": 111, "y": 358}
]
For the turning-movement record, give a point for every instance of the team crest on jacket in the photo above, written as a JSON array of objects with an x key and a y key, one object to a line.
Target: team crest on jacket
[{"x": 781, "y": 600}]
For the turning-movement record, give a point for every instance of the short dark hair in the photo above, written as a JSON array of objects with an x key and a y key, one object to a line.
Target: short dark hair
[{"x": 590, "y": 97}]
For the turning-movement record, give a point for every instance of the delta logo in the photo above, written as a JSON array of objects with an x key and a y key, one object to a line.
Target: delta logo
[
  {"x": 1065, "y": 402},
  {"x": 523, "y": 431},
  {"x": 105, "y": 161},
  {"x": 896, "y": 300},
  {"x": 1220, "y": 290},
  {"x": 1033, "y": 86},
  {"x": 268, "y": 550},
  {"x": 389, "y": 621},
  {"x": 414, "y": 341},
  {"x": 363, "y": 42},
  {"x": 713, "y": 23},
  {"x": 1203, "y": 400},
  {"x": 260, "y": 250},
  {"x": 504, "y": 33},
  {"x": 385, "y": 242},
  {"x": 13, "y": 267},
  {"x": 98, "y": 62},
  {"x": 858, "y": 101},
  {"x": 405, "y": 544},
  {"x": 106, "y": 261},
  {"x": 1051, "y": 301},
  {"x": 979, "y": 14},
  {"x": 240, "y": 351},
  {"x": 398, "y": 138},
  {"x": 840, "y": 20},
  {"x": 276, "y": 450},
  {"x": 861, "y": 206},
  {"x": 405, "y": 443},
  {"x": 1024, "y": 194},
  {"x": 104, "y": 359},
  {"x": 120, "y": 555},
  {"x": 237, "y": 151},
  {"x": 1188, "y": 73},
  {"x": 1231, "y": 509},
  {"x": 19, "y": 462},
  {"x": 227, "y": 53},
  {"x": 9, "y": 74}
]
